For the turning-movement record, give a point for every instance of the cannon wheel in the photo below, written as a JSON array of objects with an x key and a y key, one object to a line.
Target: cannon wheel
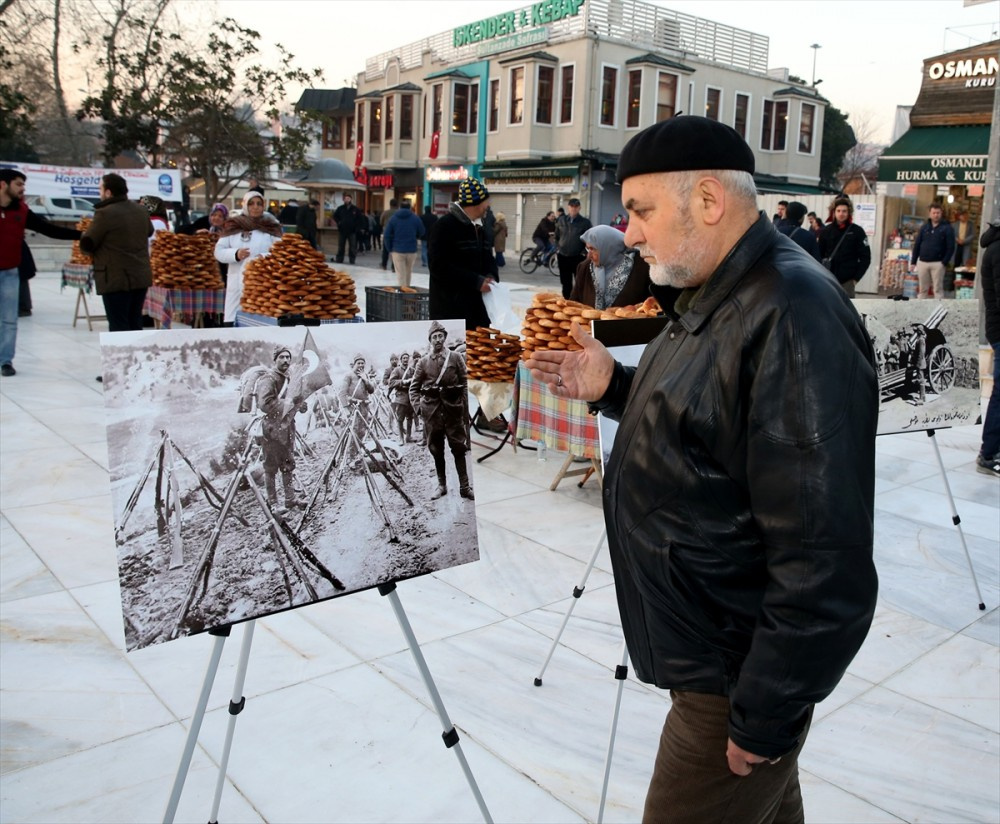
[{"x": 941, "y": 369}]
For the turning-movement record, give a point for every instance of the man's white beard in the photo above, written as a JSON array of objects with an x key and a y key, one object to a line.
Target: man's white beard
[{"x": 692, "y": 259}]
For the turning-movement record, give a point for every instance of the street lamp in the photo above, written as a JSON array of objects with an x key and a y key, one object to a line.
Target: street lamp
[{"x": 815, "y": 47}]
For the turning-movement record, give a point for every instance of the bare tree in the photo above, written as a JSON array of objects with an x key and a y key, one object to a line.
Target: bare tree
[{"x": 859, "y": 167}]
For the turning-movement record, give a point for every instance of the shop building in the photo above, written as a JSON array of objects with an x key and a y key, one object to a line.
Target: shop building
[
  {"x": 538, "y": 102},
  {"x": 941, "y": 157}
]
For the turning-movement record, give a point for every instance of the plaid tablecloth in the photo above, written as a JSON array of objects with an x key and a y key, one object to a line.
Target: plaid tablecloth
[
  {"x": 77, "y": 276},
  {"x": 250, "y": 319},
  {"x": 162, "y": 304},
  {"x": 563, "y": 425}
]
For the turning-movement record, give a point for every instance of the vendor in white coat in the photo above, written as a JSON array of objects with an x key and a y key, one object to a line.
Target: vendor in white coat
[{"x": 244, "y": 236}]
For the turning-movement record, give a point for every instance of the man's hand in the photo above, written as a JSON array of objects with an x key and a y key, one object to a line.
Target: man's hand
[
  {"x": 486, "y": 285},
  {"x": 741, "y": 761},
  {"x": 583, "y": 374}
]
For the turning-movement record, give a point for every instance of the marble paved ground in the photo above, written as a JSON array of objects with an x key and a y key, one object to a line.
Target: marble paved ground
[{"x": 338, "y": 725}]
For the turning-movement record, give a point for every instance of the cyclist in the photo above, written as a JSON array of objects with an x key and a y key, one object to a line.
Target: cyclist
[{"x": 542, "y": 238}]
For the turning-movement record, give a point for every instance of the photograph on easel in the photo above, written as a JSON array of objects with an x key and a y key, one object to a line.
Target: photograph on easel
[
  {"x": 259, "y": 470},
  {"x": 927, "y": 355}
]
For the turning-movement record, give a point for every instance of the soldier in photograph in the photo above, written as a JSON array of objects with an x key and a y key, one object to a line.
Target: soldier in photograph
[
  {"x": 438, "y": 394},
  {"x": 278, "y": 430},
  {"x": 355, "y": 390},
  {"x": 399, "y": 395}
]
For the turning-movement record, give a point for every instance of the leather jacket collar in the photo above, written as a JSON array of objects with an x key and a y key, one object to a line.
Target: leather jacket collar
[{"x": 760, "y": 237}]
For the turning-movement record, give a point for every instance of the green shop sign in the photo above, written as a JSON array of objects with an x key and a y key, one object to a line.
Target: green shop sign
[
  {"x": 514, "y": 23},
  {"x": 958, "y": 170}
]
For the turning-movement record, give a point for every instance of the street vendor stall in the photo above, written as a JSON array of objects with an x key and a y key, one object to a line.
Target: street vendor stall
[{"x": 325, "y": 178}]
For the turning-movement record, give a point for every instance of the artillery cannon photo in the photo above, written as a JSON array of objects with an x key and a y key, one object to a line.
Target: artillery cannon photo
[{"x": 914, "y": 361}]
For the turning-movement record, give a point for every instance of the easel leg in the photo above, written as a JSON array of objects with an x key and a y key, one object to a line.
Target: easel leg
[
  {"x": 236, "y": 704},
  {"x": 577, "y": 592},
  {"x": 621, "y": 673},
  {"x": 955, "y": 519},
  {"x": 450, "y": 734},
  {"x": 199, "y": 714}
]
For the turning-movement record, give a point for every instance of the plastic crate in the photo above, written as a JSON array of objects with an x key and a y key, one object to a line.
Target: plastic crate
[{"x": 387, "y": 303}]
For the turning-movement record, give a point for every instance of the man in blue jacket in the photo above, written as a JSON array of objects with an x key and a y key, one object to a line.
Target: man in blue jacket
[
  {"x": 934, "y": 247},
  {"x": 400, "y": 238}
]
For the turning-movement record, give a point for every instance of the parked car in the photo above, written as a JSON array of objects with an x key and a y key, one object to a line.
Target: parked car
[{"x": 61, "y": 209}]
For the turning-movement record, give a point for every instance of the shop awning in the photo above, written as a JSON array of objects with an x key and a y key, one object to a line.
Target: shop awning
[{"x": 946, "y": 155}]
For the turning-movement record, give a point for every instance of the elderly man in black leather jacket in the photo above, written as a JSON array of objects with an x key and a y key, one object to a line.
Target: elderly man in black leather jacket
[{"x": 739, "y": 495}]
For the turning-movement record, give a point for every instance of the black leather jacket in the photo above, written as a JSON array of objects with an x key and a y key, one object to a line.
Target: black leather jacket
[{"x": 739, "y": 495}]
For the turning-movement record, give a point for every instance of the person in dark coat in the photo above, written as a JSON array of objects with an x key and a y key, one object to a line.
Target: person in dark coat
[
  {"x": 932, "y": 252},
  {"x": 988, "y": 461},
  {"x": 289, "y": 213},
  {"x": 26, "y": 271},
  {"x": 118, "y": 241},
  {"x": 843, "y": 246},
  {"x": 792, "y": 228},
  {"x": 739, "y": 497},
  {"x": 460, "y": 258},
  {"x": 349, "y": 218},
  {"x": 428, "y": 218},
  {"x": 306, "y": 222}
]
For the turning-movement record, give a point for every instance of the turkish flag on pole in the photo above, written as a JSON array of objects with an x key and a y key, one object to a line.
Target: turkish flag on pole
[
  {"x": 359, "y": 157},
  {"x": 435, "y": 143}
]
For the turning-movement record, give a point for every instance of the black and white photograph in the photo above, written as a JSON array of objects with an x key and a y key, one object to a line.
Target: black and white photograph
[
  {"x": 927, "y": 354},
  {"x": 258, "y": 470}
]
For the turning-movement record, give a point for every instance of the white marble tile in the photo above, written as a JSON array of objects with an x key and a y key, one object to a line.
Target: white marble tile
[
  {"x": 23, "y": 573},
  {"x": 913, "y": 761},
  {"x": 20, "y": 431},
  {"x": 894, "y": 641},
  {"x": 849, "y": 688},
  {"x": 38, "y": 476},
  {"x": 35, "y": 393},
  {"x": 366, "y": 624},
  {"x": 934, "y": 509},
  {"x": 515, "y": 574},
  {"x": 986, "y": 628},
  {"x": 77, "y": 424},
  {"x": 126, "y": 781},
  {"x": 64, "y": 687},
  {"x": 285, "y": 650},
  {"x": 73, "y": 538},
  {"x": 966, "y": 486},
  {"x": 97, "y": 451},
  {"x": 826, "y": 804},
  {"x": 493, "y": 485},
  {"x": 971, "y": 690},
  {"x": 353, "y": 747},
  {"x": 557, "y": 734},
  {"x": 923, "y": 571}
]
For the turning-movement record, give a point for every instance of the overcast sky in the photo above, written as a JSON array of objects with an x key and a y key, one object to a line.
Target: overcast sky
[{"x": 870, "y": 57}]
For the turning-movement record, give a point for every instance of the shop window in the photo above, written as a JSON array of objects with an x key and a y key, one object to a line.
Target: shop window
[
  {"x": 545, "y": 91},
  {"x": 390, "y": 111},
  {"x": 634, "y": 98},
  {"x": 361, "y": 122},
  {"x": 460, "y": 108},
  {"x": 494, "y": 105},
  {"x": 774, "y": 125},
  {"x": 331, "y": 134},
  {"x": 566, "y": 99},
  {"x": 375, "y": 122},
  {"x": 713, "y": 103},
  {"x": 666, "y": 96},
  {"x": 473, "y": 108},
  {"x": 406, "y": 117},
  {"x": 609, "y": 85},
  {"x": 806, "y": 128},
  {"x": 437, "y": 109},
  {"x": 742, "y": 115},
  {"x": 517, "y": 95},
  {"x": 349, "y": 131}
]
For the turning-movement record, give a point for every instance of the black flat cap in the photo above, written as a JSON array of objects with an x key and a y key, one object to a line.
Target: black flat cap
[{"x": 683, "y": 144}]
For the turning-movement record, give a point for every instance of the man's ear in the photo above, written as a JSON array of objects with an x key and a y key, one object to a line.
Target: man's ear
[{"x": 709, "y": 200}]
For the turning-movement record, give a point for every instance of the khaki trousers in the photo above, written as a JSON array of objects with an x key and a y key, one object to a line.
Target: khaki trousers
[
  {"x": 928, "y": 272},
  {"x": 691, "y": 781},
  {"x": 403, "y": 264}
]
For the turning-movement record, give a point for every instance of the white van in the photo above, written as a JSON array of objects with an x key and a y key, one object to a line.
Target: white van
[{"x": 61, "y": 209}]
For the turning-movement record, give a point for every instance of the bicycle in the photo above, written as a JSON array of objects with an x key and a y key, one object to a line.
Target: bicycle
[{"x": 530, "y": 260}]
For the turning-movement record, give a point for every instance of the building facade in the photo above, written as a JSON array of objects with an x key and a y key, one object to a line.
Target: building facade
[{"x": 538, "y": 103}]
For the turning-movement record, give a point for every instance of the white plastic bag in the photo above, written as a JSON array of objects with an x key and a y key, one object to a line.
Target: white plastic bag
[{"x": 500, "y": 310}]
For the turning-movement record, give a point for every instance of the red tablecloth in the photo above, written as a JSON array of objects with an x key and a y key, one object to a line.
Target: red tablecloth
[
  {"x": 563, "y": 425},
  {"x": 162, "y": 304}
]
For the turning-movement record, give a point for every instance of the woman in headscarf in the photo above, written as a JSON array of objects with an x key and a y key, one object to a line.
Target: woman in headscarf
[
  {"x": 611, "y": 275},
  {"x": 157, "y": 215},
  {"x": 244, "y": 236},
  {"x": 210, "y": 224}
]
